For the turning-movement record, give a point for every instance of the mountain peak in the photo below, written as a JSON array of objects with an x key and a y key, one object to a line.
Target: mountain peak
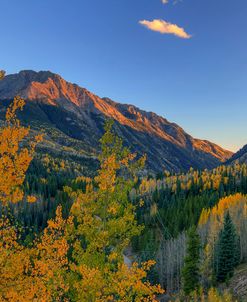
[
  {"x": 16, "y": 84},
  {"x": 41, "y": 85},
  {"x": 166, "y": 144},
  {"x": 31, "y": 75}
]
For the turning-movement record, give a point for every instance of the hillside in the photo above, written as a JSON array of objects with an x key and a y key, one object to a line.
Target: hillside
[
  {"x": 240, "y": 156},
  {"x": 73, "y": 118}
]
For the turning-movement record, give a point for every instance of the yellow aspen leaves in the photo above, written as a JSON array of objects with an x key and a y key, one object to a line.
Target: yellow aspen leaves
[
  {"x": 15, "y": 154},
  {"x": 31, "y": 199},
  {"x": 2, "y": 73},
  {"x": 80, "y": 258},
  {"x": 106, "y": 222}
]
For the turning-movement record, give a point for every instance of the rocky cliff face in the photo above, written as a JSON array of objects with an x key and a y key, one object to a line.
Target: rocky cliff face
[{"x": 73, "y": 119}]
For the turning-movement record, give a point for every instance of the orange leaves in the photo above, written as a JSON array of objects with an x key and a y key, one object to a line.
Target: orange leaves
[
  {"x": 8, "y": 234},
  {"x": 17, "y": 104},
  {"x": 15, "y": 154},
  {"x": 31, "y": 199},
  {"x": 211, "y": 220},
  {"x": 90, "y": 284},
  {"x": 207, "y": 180},
  {"x": 2, "y": 74},
  {"x": 228, "y": 203},
  {"x": 79, "y": 258},
  {"x": 34, "y": 273},
  {"x": 123, "y": 284},
  {"x": 127, "y": 283},
  {"x": 51, "y": 260},
  {"x": 14, "y": 265},
  {"x": 204, "y": 217}
]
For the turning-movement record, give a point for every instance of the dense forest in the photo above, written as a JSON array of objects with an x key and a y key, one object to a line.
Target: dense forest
[
  {"x": 173, "y": 204},
  {"x": 119, "y": 235}
]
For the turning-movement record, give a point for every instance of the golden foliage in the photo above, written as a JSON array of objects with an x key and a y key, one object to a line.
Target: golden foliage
[
  {"x": 211, "y": 223},
  {"x": 34, "y": 273},
  {"x": 2, "y": 74},
  {"x": 123, "y": 284},
  {"x": 236, "y": 204},
  {"x": 207, "y": 179},
  {"x": 213, "y": 295},
  {"x": 15, "y": 157},
  {"x": 106, "y": 222},
  {"x": 80, "y": 258}
]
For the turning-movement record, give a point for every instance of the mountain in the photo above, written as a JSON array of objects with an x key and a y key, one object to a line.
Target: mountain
[
  {"x": 73, "y": 118},
  {"x": 240, "y": 156}
]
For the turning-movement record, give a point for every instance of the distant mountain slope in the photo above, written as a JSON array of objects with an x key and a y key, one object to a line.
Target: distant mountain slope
[
  {"x": 240, "y": 156},
  {"x": 73, "y": 120}
]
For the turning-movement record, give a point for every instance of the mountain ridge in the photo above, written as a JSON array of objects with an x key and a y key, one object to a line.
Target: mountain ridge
[
  {"x": 240, "y": 156},
  {"x": 80, "y": 114}
]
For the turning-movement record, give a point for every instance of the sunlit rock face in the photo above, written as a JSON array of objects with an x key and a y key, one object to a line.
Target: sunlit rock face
[{"x": 77, "y": 114}]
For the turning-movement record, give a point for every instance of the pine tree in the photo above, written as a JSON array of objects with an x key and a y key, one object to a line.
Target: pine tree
[
  {"x": 227, "y": 250},
  {"x": 238, "y": 251},
  {"x": 190, "y": 273}
]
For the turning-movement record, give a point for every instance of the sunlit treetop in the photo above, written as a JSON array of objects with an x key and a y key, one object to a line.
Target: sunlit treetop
[{"x": 2, "y": 74}]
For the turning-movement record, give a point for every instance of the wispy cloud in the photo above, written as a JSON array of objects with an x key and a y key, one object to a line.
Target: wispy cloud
[
  {"x": 172, "y": 1},
  {"x": 164, "y": 27}
]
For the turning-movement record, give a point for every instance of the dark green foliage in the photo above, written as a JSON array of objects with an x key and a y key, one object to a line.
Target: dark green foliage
[
  {"x": 228, "y": 250},
  {"x": 178, "y": 210},
  {"x": 46, "y": 179},
  {"x": 179, "y": 207},
  {"x": 191, "y": 269},
  {"x": 238, "y": 251}
]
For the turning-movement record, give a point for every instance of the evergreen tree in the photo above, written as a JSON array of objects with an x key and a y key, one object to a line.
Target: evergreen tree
[
  {"x": 238, "y": 251},
  {"x": 191, "y": 269},
  {"x": 227, "y": 250}
]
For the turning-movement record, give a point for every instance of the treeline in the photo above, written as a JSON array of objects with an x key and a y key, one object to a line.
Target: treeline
[{"x": 173, "y": 203}]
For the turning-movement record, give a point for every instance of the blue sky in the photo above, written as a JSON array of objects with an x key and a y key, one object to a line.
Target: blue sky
[{"x": 197, "y": 79}]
